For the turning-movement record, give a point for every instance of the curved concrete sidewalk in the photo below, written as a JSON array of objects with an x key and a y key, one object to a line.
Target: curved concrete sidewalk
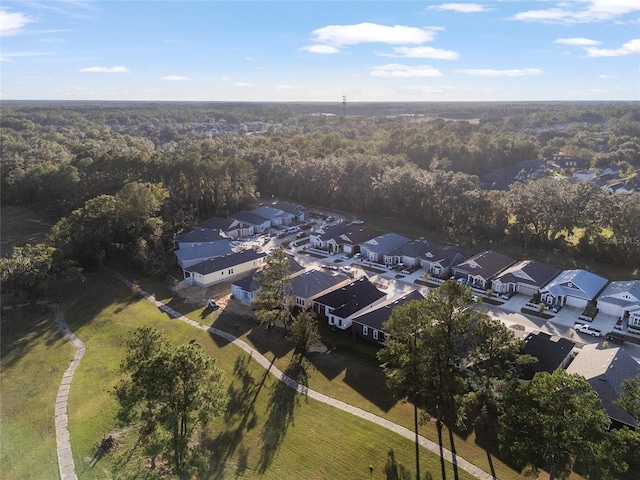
[
  {"x": 63, "y": 443},
  {"x": 405, "y": 432}
]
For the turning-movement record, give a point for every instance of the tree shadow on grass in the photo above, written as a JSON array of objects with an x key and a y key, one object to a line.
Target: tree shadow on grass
[
  {"x": 395, "y": 471},
  {"x": 240, "y": 417},
  {"x": 280, "y": 410}
]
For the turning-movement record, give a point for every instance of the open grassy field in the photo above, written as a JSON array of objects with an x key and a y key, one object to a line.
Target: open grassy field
[
  {"x": 34, "y": 357},
  {"x": 21, "y": 225},
  {"x": 269, "y": 431}
]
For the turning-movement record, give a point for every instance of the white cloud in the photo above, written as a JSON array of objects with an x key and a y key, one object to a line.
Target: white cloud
[
  {"x": 583, "y": 11},
  {"x": 628, "y": 48},
  {"x": 341, "y": 35},
  {"x": 607, "y": 77},
  {"x": 578, "y": 42},
  {"x": 13, "y": 23},
  {"x": 118, "y": 69},
  {"x": 423, "y": 52},
  {"x": 396, "y": 70},
  {"x": 244, "y": 84},
  {"x": 488, "y": 72},
  {"x": 53, "y": 40},
  {"x": 326, "y": 49},
  {"x": 175, "y": 78},
  {"x": 460, "y": 7}
]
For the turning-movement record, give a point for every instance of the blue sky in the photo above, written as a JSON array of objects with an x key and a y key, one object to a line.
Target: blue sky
[{"x": 508, "y": 50}]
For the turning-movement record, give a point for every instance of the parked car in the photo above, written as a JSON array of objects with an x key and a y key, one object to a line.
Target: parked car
[
  {"x": 588, "y": 329},
  {"x": 357, "y": 222},
  {"x": 615, "y": 337}
]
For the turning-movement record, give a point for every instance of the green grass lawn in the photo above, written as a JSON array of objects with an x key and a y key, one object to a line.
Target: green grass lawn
[
  {"x": 34, "y": 357},
  {"x": 20, "y": 225},
  {"x": 269, "y": 431}
]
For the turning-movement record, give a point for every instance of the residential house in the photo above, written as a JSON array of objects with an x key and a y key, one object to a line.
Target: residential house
[
  {"x": 480, "y": 269},
  {"x": 622, "y": 299},
  {"x": 605, "y": 369},
  {"x": 223, "y": 268},
  {"x": 258, "y": 222},
  {"x": 351, "y": 241},
  {"x": 408, "y": 254},
  {"x": 439, "y": 261},
  {"x": 585, "y": 174},
  {"x": 567, "y": 163},
  {"x": 374, "y": 249},
  {"x": 575, "y": 288},
  {"x": 307, "y": 285},
  {"x": 193, "y": 253},
  {"x": 246, "y": 288},
  {"x": 619, "y": 298},
  {"x": 321, "y": 237},
  {"x": 551, "y": 353},
  {"x": 369, "y": 326},
  {"x": 228, "y": 226},
  {"x": 276, "y": 216},
  {"x": 526, "y": 277},
  {"x": 300, "y": 214},
  {"x": 198, "y": 235},
  {"x": 344, "y": 303}
]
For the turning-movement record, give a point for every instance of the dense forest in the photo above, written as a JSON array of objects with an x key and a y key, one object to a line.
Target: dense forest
[{"x": 121, "y": 179}]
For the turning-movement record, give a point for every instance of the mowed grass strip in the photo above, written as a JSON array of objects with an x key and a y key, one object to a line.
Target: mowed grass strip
[
  {"x": 34, "y": 357},
  {"x": 270, "y": 431}
]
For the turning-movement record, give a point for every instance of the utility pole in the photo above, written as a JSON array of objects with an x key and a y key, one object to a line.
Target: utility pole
[{"x": 344, "y": 105}]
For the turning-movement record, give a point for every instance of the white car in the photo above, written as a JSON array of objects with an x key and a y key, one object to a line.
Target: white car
[{"x": 582, "y": 328}]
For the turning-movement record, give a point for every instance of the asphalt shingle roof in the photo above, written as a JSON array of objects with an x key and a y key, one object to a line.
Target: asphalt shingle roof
[
  {"x": 226, "y": 261},
  {"x": 351, "y": 298}
]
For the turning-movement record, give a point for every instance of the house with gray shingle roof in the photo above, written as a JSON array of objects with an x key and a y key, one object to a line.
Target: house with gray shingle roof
[
  {"x": 480, "y": 269},
  {"x": 551, "y": 353},
  {"x": 299, "y": 213},
  {"x": 619, "y": 298},
  {"x": 231, "y": 228},
  {"x": 198, "y": 235},
  {"x": 369, "y": 326},
  {"x": 223, "y": 268},
  {"x": 258, "y": 222},
  {"x": 526, "y": 277},
  {"x": 605, "y": 369},
  {"x": 276, "y": 216},
  {"x": 351, "y": 241},
  {"x": 307, "y": 285},
  {"x": 439, "y": 261},
  {"x": 321, "y": 237},
  {"x": 375, "y": 248},
  {"x": 409, "y": 253},
  {"x": 340, "y": 305},
  {"x": 191, "y": 253},
  {"x": 573, "y": 287}
]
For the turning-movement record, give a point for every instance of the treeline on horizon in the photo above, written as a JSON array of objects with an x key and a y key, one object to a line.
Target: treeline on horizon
[{"x": 126, "y": 178}]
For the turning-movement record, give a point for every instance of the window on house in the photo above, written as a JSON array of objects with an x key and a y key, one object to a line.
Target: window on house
[
  {"x": 230, "y": 271},
  {"x": 375, "y": 334},
  {"x": 340, "y": 323},
  {"x": 365, "y": 330}
]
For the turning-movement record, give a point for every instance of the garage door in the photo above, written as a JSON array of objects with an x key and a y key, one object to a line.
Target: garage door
[
  {"x": 576, "y": 302},
  {"x": 527, "y": 290},
  {"x": 609, "y": 308}
]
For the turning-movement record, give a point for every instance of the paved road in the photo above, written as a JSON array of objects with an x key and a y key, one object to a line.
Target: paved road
[{"x": 267, "y": 364}]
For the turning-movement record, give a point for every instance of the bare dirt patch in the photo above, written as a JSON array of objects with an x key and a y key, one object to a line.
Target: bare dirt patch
[{"x": 220, "y": 292}]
